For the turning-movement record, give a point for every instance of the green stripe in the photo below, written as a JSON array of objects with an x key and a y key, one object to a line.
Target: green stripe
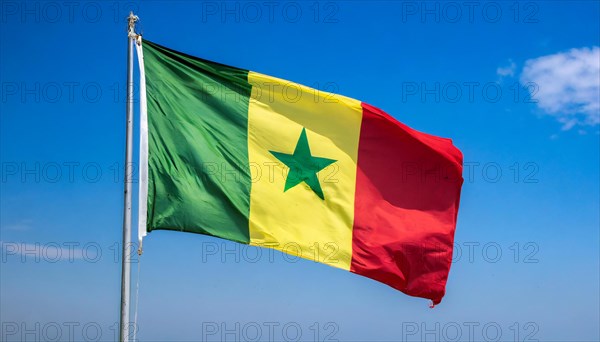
[{"x": 199, "y": 176}]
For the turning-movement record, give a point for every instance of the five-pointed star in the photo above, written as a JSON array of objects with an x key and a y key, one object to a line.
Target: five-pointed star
[{"x": 303, "y": 166}]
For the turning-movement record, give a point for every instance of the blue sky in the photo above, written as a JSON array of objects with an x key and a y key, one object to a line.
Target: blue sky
[{"x": 526, "y": 263}]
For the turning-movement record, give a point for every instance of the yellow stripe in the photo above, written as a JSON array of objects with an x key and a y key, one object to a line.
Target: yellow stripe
[{"x": 297, "y": 221}]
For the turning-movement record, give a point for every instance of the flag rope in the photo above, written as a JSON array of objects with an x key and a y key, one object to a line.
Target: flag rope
[
  {"x": 143, "y": 157},
  {"x": 137, "y": 296}
]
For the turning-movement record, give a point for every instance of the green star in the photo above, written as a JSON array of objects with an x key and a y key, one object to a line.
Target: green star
[{"x": 303, "y": 166}]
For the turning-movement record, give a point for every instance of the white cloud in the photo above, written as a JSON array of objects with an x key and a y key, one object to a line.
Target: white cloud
[
  {"x": 508, "y": 70},
  {"x": 568, "y": 85},
  {"x": 21, "y": 225}
]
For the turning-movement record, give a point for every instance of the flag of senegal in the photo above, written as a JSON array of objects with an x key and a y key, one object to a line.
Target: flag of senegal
[{"x": 255, "y": 159}]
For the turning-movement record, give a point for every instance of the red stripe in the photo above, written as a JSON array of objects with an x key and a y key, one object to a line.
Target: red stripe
[{"x": 407, "y": 194}]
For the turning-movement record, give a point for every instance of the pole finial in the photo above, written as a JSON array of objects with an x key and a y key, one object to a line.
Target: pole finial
[{"x": 131, "y": 20}]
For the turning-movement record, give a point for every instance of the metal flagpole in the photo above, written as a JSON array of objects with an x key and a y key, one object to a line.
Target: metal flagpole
[{"x": 126, "y": 255}]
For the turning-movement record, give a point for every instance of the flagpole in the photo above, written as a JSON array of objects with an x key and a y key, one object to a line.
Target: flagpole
[{"x": 126, "y": 255}]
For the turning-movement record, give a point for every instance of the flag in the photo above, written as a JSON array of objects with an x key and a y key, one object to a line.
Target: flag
[{"x": 255, "y": 159}]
